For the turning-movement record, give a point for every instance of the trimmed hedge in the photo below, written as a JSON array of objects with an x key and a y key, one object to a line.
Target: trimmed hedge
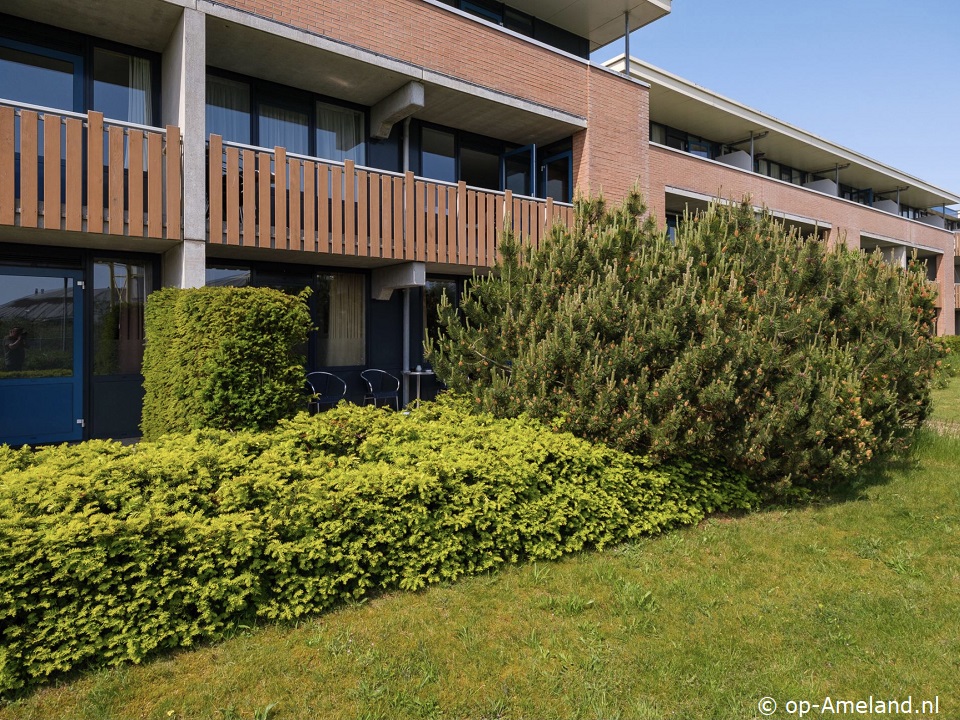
[
  {"x": 222, "y": 357},
  {"x": 114, "y": 553}
]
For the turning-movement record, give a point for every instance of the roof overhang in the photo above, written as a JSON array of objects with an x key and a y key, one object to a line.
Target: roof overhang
[
  {"x": 600, "y": 21},
  {"x": 686, "y": 106}
]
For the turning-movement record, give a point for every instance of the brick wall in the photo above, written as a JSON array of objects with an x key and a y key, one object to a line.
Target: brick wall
[
  {"x": 611, "y": 154},
  {"x": 848, "y": 220}
]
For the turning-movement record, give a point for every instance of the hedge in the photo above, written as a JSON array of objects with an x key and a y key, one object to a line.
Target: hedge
[
  {"x": 114, "y": 553},
  {"x": 222, "y": 357}
]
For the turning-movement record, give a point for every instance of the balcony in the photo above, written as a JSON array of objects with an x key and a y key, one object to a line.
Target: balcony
[
  {"x": 342, "y": 209},
  {"x": 72, "y": 172}
]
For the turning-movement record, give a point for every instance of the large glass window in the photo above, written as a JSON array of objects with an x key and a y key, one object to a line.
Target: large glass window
[
  {"x": 433, "y": 292},
  {"x": 120, "y": 289},
  {"x": 36, "y": 326},
  {"x": 438, "y": 154},
  {"x": 480, "y": 167},
  {"x": 284, "y": 127},
  {"x": 228, "y": 109},
  {"x": 122, "y": 86},
  {"x": 38, "y": 79},
  {"x": 340, "y": 133},
  {"x": 341, "y": 320},
  {"x": 228, "y": 277}
]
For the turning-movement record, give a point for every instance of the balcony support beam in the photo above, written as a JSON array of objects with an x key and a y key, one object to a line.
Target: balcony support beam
[
  {"x": 383, "y": 281},
  {"x": 397, "y": 106}
]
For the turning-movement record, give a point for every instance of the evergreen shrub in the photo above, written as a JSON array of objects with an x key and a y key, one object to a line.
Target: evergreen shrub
[
  {"x": 738, "y": 340},
  {"x": 222, "y": 357},
  {"x": 113, "y": 553}
]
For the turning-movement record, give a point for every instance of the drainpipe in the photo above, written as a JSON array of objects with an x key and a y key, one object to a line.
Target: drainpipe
[
  {"x": 626, "y": 43},
  {"x": 406, "y": 291}
]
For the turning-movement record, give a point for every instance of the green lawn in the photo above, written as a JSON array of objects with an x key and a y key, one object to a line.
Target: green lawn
[
  {"x": 847, "y": 599},
  {"x": 946, "y": 404}
]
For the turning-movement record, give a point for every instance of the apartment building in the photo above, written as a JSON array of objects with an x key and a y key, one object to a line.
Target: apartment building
[
  {"x": 371, "y": 150},
  {"x": 703, "y": 146}
]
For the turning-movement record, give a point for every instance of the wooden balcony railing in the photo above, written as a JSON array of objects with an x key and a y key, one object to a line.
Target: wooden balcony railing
[
  {"x": 956, "y": 296},
  {"x": 67, "y": 171},
  {"x": 261, "y": 198}
]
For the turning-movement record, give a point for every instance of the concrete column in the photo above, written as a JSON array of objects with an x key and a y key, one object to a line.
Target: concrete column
[{"x": 184, "y": 104}]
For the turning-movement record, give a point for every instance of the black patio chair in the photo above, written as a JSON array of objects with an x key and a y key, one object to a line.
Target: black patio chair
[
  {"x": 381, "y": 386},
  {"x": 327, "y": 390}
]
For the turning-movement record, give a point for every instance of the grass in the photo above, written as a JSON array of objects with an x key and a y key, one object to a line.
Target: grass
[
  {"x": 946, "y": 406},
  {"x": 846, "y": 599}
]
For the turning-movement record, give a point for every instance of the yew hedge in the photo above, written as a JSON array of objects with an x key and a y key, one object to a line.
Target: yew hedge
[{"x": 114, "y": 553}]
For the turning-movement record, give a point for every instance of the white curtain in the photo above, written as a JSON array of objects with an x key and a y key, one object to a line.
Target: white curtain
[
  {"x": 282, "y": 127},
  {"x": 340, "y": 134},
  {"x": 140, "y": 97},
  {"x": 228, "y": 109}
]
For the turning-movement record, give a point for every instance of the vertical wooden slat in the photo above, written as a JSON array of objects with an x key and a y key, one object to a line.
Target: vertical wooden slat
[
  {"x": 74, "y": 175},
  {"x": 491, "y": 230},
  {"x": 471, "y": 227},
  {"x": 155, "y": 188},
  {"x": 336, "y": 210},
  {"x": 349, "y": 208},
  {"x": 463, "y": 240},
  {"x": 432, "y": 217},
  {"x": 174, "y": 208},
  {"x": 441, "y": 249},
  {"x": 28, "y": 168},
  {"x": 264, "y": 191},
  {"x": 115, "y": 174},
  {"x": 310, "y": 206},
  {"x": 323, "y": 209},
  {"x": 498, "y": 224},
  {"x": 51, "y": 171},
  {"x": 363, "y": 210},
  {"x": 280, "y": 198},
  {"x": 248, "y": 199},
  {"x": 95, "y": 172},
  {"x": 8, "y": 209},
  {"x": 420, "y": 229},
  {"x": 295, "y": 242},
  {"x": 376, "y": 213},
  {"x": 215, "y": 192},
  {"x": 135, "y": 183},
  {"x": 452, "y": 224},
  {"x": 409, "y": 224},
  {"x": 233, "y": 196},
  {"x": 547, "y": 218},
  {"x": 396, "y": 249}
]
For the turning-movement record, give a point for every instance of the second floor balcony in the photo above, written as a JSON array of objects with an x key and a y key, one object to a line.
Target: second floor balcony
[
  {"x": 78, "y": 172},
  {"x": 261, "y": 198}
]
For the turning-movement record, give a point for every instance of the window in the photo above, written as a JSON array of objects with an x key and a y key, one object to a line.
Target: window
[
  {"x": 341, "y": 320},
  {"x": 122, "y": 86},
  {"x": 284, "y": 127},
  {"x": 340, "y": 133},
  {"x": 433, "y": 291},
  {"x": 228, "y": 277},
  {"x": 228, "y": 109},
  {"x": 118, "y": 336},
  {"x": 438, "y": 155},
  {"x": 480, "y": 167},
  {"x": 37, "y": 78}
]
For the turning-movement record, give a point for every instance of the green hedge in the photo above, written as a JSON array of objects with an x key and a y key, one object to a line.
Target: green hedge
[
  {"x": 219, "y": 357},
  {"x": 113, "y": 552},
  {"x": 951, "y": 360}
]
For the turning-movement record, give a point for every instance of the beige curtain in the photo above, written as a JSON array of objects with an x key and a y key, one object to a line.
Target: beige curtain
[{"x": 345, "y": 343}]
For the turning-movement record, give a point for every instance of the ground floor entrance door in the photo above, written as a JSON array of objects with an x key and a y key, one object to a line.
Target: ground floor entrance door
[{"x": 41, "y": 378}]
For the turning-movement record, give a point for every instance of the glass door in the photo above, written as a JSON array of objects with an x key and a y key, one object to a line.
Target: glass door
[
  {"x": 556, "y": 179},
  {"x": 519, "y": 170},
  {"x": 41, "y": 323}
]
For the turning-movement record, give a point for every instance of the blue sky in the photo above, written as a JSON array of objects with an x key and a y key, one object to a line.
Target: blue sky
[{"x": 881, "y": 78}]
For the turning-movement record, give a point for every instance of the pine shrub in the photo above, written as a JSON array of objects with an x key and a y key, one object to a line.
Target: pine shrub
[{"x": 737, "y": 340}]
